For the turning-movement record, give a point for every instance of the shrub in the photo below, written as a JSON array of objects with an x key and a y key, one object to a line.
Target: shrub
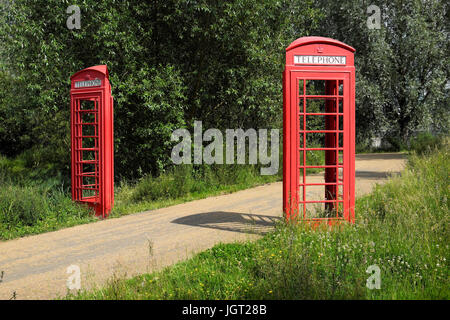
[
  {"x": 34, "y": 209},
  {"x": 425, "y": 142},
  {"x": 21, "y": 206}
]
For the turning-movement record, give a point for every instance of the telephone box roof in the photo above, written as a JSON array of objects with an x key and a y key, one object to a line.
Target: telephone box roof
[
  {"x": 309, "y": 40},
  {"x": 100, "y": 68}
]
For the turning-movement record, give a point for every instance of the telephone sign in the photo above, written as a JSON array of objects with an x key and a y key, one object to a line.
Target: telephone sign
[{"x": 88, "y": 83}]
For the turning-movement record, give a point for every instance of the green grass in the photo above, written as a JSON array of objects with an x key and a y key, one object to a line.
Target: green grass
[
  {"x": 189, "y": 182},
  {"x": 186, "y": 183},
  {"x": 31, "y": 210},
  {"x": 32, "y": 203},
  {"x": 402, "y": 227},
  {"x": 29, "y": 205}
]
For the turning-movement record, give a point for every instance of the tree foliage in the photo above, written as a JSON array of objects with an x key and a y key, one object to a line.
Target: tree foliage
[
  {"x": 402, "y": 68},
  {"x": 176, "y": 61},
  {"x": 171, "y": 62}
]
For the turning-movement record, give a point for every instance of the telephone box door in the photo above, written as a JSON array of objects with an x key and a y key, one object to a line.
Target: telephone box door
[
  {"x": 86, "y": 155},
  {"x": 320, "y": 134}
]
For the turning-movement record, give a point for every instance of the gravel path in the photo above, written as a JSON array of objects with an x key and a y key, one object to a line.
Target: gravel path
[{"x": 35, "y": 266}]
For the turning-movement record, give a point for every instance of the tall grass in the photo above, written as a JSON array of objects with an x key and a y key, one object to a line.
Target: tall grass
[
  {"x": 186, "y": 183},
  {"x": 36, "y": 198},
  {"x": 32, "y": 203},
  {"x": 185, "y": 179},
  {"x": 401, "y": 227},
  {"x": 190, "y": 182}
]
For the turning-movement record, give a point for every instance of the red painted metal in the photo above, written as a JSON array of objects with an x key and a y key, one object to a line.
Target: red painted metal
[
  {"x": 91, "y": 106},
  {"x": 309, "y": 60}
]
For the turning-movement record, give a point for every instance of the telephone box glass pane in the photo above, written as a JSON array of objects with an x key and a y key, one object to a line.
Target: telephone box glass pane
[{"x": 320, "y": 143}]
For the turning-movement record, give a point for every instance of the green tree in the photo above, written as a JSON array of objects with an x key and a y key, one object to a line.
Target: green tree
[
  {"x": 171, "y": 62},
  {"x": 402, "y": 68},
  {"x": 39, "y": 54}
]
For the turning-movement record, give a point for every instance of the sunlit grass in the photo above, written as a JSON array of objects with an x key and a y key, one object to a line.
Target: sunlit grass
[
  {"x": 402, "y": 227},
  {"x": 29, "y": 206}
]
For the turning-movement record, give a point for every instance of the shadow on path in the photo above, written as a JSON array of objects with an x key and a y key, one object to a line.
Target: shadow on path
[{"x": 230, "y": 221}]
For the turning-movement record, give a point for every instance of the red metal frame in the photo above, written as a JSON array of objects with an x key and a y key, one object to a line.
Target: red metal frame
[
  {"x": 339, "y": 81},
  {"x": 91, "y": 106}
]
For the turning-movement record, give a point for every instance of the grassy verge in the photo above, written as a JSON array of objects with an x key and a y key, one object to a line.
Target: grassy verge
[
  {"x": 32, "y": 210},
  {"x": 189, "y": 182},
  {"x": 31, "y": 203},
  {"x": 402, "y": 227},
  {"x": 186, "y": 183}
]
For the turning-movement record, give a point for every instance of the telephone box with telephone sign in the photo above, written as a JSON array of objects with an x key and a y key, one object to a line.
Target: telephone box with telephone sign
[
  {"x": 319, "y": 131},
  {"x": 92, "y": 137}
]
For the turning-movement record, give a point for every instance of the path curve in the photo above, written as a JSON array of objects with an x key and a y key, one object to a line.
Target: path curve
[{"x": 35, "y": 267}]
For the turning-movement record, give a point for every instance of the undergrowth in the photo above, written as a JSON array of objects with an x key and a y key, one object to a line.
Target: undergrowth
[{"x": 401, "y": 227}]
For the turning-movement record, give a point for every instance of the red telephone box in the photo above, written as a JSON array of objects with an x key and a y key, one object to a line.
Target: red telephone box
[
  {"x": 319, "y": 130},
  {"x": 92, "y": 136}
]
